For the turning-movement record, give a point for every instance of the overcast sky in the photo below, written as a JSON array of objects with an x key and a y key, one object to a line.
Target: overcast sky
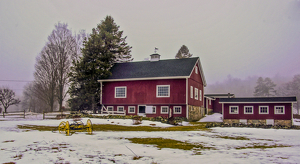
[{"x": 237, "y": 37}]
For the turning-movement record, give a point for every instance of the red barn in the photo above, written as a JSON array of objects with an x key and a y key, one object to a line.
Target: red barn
[
  {"x": 258, "y": 110},
  {"x": 155, "y": 88},
  {"x": 212, "y": 101}
]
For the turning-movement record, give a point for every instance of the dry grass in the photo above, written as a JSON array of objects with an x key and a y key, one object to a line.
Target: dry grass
[
  {"x": 168, "y": 143},
  {"x": 109, "y": 127}
]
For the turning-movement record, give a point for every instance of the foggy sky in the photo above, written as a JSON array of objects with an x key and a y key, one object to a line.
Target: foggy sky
[{"x": 240, "y": 38}]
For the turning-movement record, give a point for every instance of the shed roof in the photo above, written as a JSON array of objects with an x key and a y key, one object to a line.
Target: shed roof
[
  {"x": 155, "y": 69},
  {"x": 258, "y": 100},
  {"x": 219, "y": 95}
]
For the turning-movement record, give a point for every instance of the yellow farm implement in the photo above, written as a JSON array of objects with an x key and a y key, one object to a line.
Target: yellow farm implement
[{"x": 76, "y": 126}]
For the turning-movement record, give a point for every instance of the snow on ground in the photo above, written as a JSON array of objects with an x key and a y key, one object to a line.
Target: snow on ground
[
  {"x": 23, "y": 146},
  {"x": 216, "y": 117}
]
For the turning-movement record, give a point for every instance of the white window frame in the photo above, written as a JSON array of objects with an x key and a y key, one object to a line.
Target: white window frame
[
  {"x": 161, "y": 108},
  {"x": 174, "y": 111},
  {"x": 133, "y": 109},
  {"x": 262, "y": 107},
  {"x": 233, "y": 107},
  {"x": 157, "y": 86},
  {"x": 112, "y": 108},
  {"x": 248, "y": 107},
  {"x": 125, "y": 96},
  {"x": 196, "y": 93},
  {"x": 275, "y": 110},
  {"x": 196, "y": 69},
  {"x": 192, "y": 90},
  {"x": 200, "y": 94},
  {"x": 154, "y": 109},
  {"x": 118, "y": 108}
]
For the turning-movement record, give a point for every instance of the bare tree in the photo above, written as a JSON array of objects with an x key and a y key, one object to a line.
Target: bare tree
[
  {"x": 53, "y": 65},
  {"x": 7, "y": 98}
]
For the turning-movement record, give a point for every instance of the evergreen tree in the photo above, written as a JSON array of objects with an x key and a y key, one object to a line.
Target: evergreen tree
[
  {"x": 183, "y": 52},
  {"x": 104, "y": 47},
  {"x": 264, "y": 87}
]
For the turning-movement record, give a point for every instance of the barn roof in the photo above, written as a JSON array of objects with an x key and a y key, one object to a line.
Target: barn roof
[
  {"x": 258, "y": 100},
  {"x": 171, "y": 68}
]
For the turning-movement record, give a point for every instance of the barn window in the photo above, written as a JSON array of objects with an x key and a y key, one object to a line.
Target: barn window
[
  {"x": 192, "y": 90},
  {"x": 164, "y": 110},
  {"x": 154, "y": 109},
  {"x": 110, "y": 108},
  {"x": 120, "y": 109},
  {"x": 200, "y": 95},
  {"x": 163, "y": 91},
  {"x": 131, "y": 109},
  {"x": 120, "y": 92},
  {"x": 196, "y": 70},
  {"x": 263, "y": 110},
  {"x": 196, "y": 93},
  {"x": 177, "y": 110},
  {"x": 233, "y": 110},
  {"x": 279, "y": 110},
  {"x": 248, "y": 110}
]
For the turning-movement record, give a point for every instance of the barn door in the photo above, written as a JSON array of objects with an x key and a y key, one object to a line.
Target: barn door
[{"x": 142, "y": 109}]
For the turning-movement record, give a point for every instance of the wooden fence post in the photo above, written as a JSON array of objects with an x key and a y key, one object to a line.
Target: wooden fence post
[
  {"x": 3, "y": 115},
  {"x": 43, "y": 114}
]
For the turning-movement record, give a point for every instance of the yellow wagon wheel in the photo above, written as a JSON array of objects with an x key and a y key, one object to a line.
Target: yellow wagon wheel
[
  {"x": 89, "y": 126},
  {"x": 62, "y": 127}
]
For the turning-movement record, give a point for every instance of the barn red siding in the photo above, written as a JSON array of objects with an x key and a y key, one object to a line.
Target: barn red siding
[
  {"x": 217, "y": 106},
  {"x": 144, "y": 92},
  {"x": 195, "y": 81},
  {"x": 207, "y": 104},
  {"x": 256, "y": 115},
  {"x": 158, "y": 110}
]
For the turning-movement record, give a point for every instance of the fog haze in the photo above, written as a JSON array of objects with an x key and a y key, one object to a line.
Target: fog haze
[{"x": 237, "y": 38}]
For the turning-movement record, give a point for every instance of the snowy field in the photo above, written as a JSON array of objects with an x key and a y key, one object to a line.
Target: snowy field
[{"x": 228, "y": 145}]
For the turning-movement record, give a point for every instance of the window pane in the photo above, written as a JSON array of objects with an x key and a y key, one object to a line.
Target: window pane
[
  {"x": 163, "y": 91},
  {"x": 121, "y": 92},
  {"x": 248, "y": 109},
  {"x": 164, "y": 109}
]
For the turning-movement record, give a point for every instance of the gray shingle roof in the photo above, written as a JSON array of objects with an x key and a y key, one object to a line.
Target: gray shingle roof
[
  {"x": 258, "y": 99},
  {"x": 152, "y": 69}
]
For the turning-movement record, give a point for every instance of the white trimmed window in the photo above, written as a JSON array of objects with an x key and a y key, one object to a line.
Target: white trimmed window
[
  {"x": 120, "y": 92},
  {"x": 263, "y": 110},
  {"x": 177, "y": 109},
  {"x": 163, "y": 91},
  {"x": 164, "y": 110},
  {"x": 110, "y": 108},
  {"x": 131, "y": 109},
  {"x": 200, "y": 95},
  {"x": 154, "y": 109},
  {"x": 120, "y": 108},
  {"x": 279, "y": 110},
  {"x": 248, "y": 109},
  {"x": 196, "y": 93},
  {"x": 192, "y": 90},
  {"x": 196, "y": 70},
  {"x": 233, "y": 110}
]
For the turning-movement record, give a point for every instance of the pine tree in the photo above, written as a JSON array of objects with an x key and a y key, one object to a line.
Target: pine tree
[
  {"x": 104, "y": 47},
  {"x": 264, "y": 87},
  {"x": 183, "y": 52}
]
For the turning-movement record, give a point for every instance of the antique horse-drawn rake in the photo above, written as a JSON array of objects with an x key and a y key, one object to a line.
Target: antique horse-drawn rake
[{"x": 76, "y": 126}]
